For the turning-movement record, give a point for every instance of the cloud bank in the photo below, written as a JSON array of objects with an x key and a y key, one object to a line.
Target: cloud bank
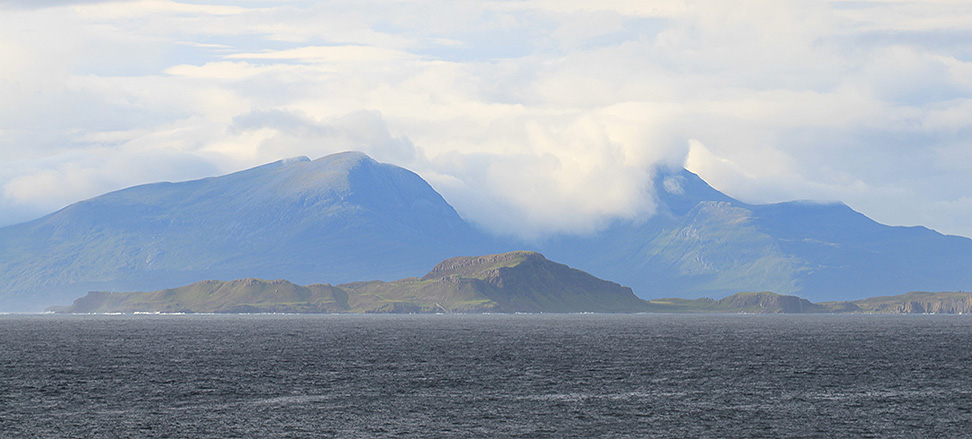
[{"x": 531, "y": 117}]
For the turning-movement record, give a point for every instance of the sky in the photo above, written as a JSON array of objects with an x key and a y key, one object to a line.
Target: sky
[{"x": 531, "y": 117}]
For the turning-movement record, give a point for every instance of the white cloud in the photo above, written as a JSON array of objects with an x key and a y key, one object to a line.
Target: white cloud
[
  {"x": 35, "y": 4},
  {"x": 530, "y": 117},
  {"x": 114, "y": 10},
  {"x": 326, "y": 54},
  {"x": 43, "y": 185}
]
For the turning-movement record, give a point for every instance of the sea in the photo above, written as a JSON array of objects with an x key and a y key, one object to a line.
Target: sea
[{"x": 489, "y": 376}]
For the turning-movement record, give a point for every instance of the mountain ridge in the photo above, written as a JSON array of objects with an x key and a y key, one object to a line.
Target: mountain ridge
[
  {"x": 330, "y": 218},
  {"x": 702, "y": 242},
  {"x": 345, "y": 216}
]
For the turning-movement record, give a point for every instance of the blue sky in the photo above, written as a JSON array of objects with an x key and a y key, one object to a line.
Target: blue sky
[{"x": 531, "y": 117}]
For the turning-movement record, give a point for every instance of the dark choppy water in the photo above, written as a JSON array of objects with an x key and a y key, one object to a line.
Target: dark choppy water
[{"x": 486, "y": 376}]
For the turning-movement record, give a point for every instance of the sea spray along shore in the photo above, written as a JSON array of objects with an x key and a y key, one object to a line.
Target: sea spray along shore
[{"x": 510, "y": 282}]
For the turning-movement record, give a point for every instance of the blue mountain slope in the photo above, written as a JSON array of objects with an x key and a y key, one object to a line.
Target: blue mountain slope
[
  {"x": 345, "y": 218},
  {"x": 341, "y": 218},
  {"x": 704, "y": 243}
]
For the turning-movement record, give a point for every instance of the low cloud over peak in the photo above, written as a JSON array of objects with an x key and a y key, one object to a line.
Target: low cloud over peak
[{"x": 530, "y": 117}]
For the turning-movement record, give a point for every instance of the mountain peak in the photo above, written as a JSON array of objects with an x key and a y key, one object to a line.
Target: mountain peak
[
  {"x": 344, "y": 161},
  {"x": 678, "y": 190},
  {"x": 351, "y": 156},
  {"x": 341, "y": 217},
  {"x": 475, "y": 266}
]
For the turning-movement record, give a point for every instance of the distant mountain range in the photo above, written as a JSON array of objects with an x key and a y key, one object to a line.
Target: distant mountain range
[
  {"x": 704, "y": 243},
  {"x": 511, "y": 282},
  {"x": 346, "y": 217}
]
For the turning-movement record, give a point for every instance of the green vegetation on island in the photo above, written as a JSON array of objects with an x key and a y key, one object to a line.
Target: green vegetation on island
[
  {"x": 508, "y": 282},
  {"x": 761, "y": 302}
]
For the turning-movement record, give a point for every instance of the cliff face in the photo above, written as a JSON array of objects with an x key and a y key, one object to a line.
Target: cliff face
[
  {"x": 765, "y": 302},
  {"x": 479, "y": 267},
  {"x": 919, "y": 302}
]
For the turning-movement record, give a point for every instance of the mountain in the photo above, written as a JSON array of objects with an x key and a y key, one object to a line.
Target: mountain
[
  {"x": 510, "y": 282},
  {"x": 340, "y": 218},
  {"x": 704, "y": 243},
  {"x": 346, "y": 217}
]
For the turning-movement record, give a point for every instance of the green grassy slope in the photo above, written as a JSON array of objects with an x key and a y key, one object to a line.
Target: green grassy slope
[
  {"x": 244, "y": 295},
  {"x": 509, "y": 282},
  {"x": 750, "y": 302},
  {"x": 528, "y": 282}
]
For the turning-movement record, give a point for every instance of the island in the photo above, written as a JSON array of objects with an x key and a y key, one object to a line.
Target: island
[{"x": 514, "y": 282}]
